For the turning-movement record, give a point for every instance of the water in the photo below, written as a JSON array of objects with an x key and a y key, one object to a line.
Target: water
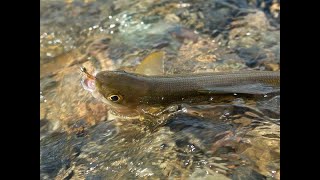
[{"x": 228, "y": 140}]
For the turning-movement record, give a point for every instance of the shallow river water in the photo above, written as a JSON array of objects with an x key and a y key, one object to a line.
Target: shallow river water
[{"x": 238, "y": 139}]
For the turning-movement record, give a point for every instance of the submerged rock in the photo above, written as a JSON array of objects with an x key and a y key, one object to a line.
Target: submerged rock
[{"x": 222, "y": 142}]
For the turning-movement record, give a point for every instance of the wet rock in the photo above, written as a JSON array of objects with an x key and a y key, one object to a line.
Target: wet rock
[
  {"x": 79, "y": 128},
  {"x": 271, "y": 8},
  {"x": 122, "y": 4},
  {"x": 272, "y": 67},
  {"x": 243, "y": 121},
  {"x": 65, "y": 173},
  {"x": 103, "y": 132},
  {"x": 202, "y": 52},
  {"x": 43, "y": 112},
  {"x": 68, "y": 101},
  {"x": 203, "y": 174},
  {"x": 275, "y": 9},
  {"x": 216, "y": 16},
  {"x": 271, "y": 107},
  {"x": 54, "y": 154},
  {"x": 58, "y": 64},
  {"x": 277, "y": 176},
  {"x": 132, "y": 43},
  {"x": 252, "y": 40},
  {"x": 62, "y": 25},
  {"x": 48, "y": 126},
  {"x": 182, "y": 34},
  {"x": 248, "y": 174},
  {"x": 47, "y": 84},
  {"x": 266, "y": 160},
  {"x": 172, "y": 18},
  {"x": 193, "y": 130},
  {"x": 251, "y": 55}
]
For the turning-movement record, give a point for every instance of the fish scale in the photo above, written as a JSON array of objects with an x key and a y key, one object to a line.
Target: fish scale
[
  {"x": 193, "y": 82},
  {"x": 137, "y": 89}
]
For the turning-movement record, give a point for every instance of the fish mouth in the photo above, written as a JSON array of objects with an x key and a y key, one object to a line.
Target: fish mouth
[{"x": 88, "y": 84}]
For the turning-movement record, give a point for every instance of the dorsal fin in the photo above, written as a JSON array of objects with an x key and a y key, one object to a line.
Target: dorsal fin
[{"x": 153, "y": 64}]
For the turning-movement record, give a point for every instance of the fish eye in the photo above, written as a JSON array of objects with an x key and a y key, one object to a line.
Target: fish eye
[{"x": 114, "y": 98}]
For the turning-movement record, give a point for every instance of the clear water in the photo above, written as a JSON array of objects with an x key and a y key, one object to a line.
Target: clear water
[{"x": 228, "y": 140}]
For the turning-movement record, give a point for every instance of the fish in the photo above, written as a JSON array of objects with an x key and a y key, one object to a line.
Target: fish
[{"x": 127, "y": 92}]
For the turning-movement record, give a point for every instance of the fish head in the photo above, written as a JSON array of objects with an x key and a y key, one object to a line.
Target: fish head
[{"x": 121, "y": 91}]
